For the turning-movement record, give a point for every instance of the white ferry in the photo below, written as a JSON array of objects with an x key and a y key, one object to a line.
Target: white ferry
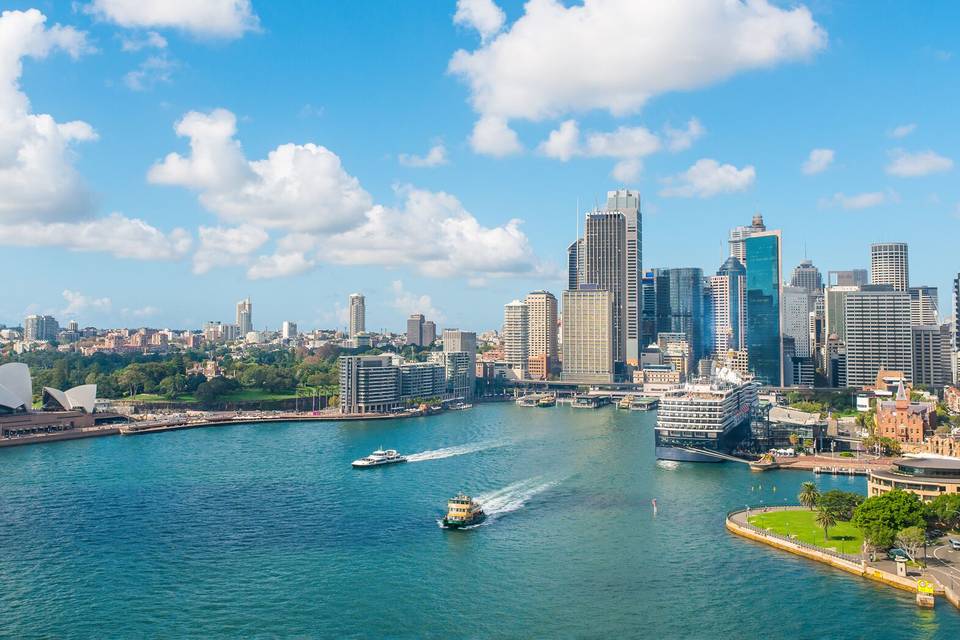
[{"x": 380, "y": 457}]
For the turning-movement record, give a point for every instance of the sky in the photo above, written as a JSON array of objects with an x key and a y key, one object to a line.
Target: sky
[{"x": 162, "y": 159}]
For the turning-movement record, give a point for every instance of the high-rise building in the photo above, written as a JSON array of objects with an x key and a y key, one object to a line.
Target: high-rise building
[
  {"x": 73, "y": 326},
  {"x": 931, "y": 355},
  {"x": 369, "y": 384},
  {"x": 289, "y": 330},
  {"x": 727, "y": 293},
  {"x": 889, "y": 265},
  {"x": 358, "y": 314},
  {"x": 850, "y": 278},
  {"x": 648, "y": 310},
  {"x": 628, "y": 203},
  {"x": 429, "y": 332},
  {"x": 680, "y": 305},
  {"x": 605, "y": 244},
  {"x": 764, "y": 306},
  {"x": 542, "y": 319},
  {"x": 676, "y": 351},
  {"x": 796, "y": 319},
  {"x": 877, "y": 334},
  {"x": 834, "y": 310},
  {"x": 924, "y": 309},
  {"x": 588, "y": 327},
  {"x": 739, "y": 234},
  {"x": 245, "y": 316},
  {"x": 807, "y": 276},
  {"x": 575, "y": 256},
  {"x": 415, "y": 329},
  {"x": 456, "y": 341},
  {"x": 516, "y": 337},
  {"x": 38, "y": 328}
]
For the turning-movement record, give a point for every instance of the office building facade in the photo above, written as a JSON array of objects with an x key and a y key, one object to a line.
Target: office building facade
[
  {"x": 40, "y": 328},
  {"x": 924, "y": 308},
  {"x": 588, "y": 330},
  {"x": 738, "y": 236},
  {"x": 542, "y": 338},
  {"x": 877, "y": 334},
  {"x": 889, "y": 264},
  {"x": 456, "y": 341},
  {"x": 764, "y": 296},
  {"x": 807, "y": 276},
  {"x": 245, "y": 316},
  {"x": 358, "y": 314},
  {"x": 516, "y": 337},
  {"x": 605, "y": 264},
  {"x": 727, "y": 294}
]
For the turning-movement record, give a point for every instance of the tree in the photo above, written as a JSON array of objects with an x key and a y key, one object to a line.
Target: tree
[
  {"x": 809, "y": 495},
  {"x": 841, "y": 503},
  {"x": 881, "y": 517},
  {"x": 911, "y": 540},
  {"x": 794, "y": 439},
  {"x": 826, "y": 519},
  {"x": 944, "y": 510}
]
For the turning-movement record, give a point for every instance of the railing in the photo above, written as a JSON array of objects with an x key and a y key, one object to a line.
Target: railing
[{"x": 766, "y": 532}]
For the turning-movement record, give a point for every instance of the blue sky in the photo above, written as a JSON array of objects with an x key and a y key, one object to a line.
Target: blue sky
[{"x": 306, "y": 115}]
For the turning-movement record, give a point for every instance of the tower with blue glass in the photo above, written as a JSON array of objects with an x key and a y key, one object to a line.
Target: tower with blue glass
[{"x": 764, "y": 297}]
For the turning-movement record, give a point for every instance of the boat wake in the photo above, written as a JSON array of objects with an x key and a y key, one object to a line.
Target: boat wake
[
  {"x": 459, "y": 450},
  {"x": 669, "y": 465},
  {"x": 512, "y": 497}
]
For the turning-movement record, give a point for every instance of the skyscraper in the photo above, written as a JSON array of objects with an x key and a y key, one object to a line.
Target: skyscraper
[
  {"x": 415, "y": 329},
  {"x": 429, "y": 332},
  {"x": 850, "y": 278},
  {"x": 358, "y": 314},
  {"x": 289, "y": 330},
  {"x": 796, "y": 319},
  {"x": 456, "y": 341},
  {"x": 931, "y": 355},
  {"x": 648, "y": 310},
  {"x": 605, "y": 242},
  {"x": 542, "y": 319},
  {"x": 877, "y": 334},
  {"x": 807, "y": 276},
  {"x": 680, "y": 305},
  {"x": 889, "y": 265},
  {"x": 924, "y": 309},
  {"x": 245, "y": 316},
  {"x": 628, "y": 203},
  {"x": 727, "y": 291},
  {"x": 588, "y": 335},
  {"x": 575, "y": 256},
  {"x": 764, "y": 306},
  {"x": 739, "y": 234},
  {"x": 40, "y": 328},
  {"x": 516, "y": 337}
]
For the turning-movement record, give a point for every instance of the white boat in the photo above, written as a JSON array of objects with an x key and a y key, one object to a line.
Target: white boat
[{"x": 379, "y": 457}]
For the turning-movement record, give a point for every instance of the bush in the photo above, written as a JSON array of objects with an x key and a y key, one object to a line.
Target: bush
[{"x": 846, "y": 454}]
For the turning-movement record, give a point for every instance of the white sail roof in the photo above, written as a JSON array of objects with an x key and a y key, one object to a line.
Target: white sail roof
[{"x": 15, "y": 377}]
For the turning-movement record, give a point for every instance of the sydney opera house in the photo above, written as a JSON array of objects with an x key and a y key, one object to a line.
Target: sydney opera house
[{"x": 60, "y": 410}]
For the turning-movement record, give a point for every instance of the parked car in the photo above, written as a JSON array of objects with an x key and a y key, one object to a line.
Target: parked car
[
  {"x": 955, "y": 544},
  {"x": 893, "y": 554}
]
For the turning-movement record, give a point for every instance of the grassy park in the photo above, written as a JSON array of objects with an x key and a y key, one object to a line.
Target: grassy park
[{"x": 802, "y": 525}]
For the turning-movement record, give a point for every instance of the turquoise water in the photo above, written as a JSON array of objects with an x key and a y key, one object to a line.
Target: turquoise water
[{"x": 266, "y": 531}]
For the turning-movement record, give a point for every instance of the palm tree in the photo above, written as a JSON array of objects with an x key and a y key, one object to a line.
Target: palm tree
[
  {"x": 809, "y": 495},
  {"x": 826, "y": 519}
]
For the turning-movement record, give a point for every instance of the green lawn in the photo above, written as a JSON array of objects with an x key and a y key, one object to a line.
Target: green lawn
[
  {"x": 844, "y": 537},
  {"x": 244, "y": 395}
]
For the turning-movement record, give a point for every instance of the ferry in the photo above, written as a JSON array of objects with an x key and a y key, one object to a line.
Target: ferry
[
  {"x": 463, "y": 511},
  {"x": 625, "y": 402},
  {"x": 644, "y": 404},
  {"x": 547, "y": 401},
  {"x": 704, "y": 420},
  {"x": 379, "y": 457}
]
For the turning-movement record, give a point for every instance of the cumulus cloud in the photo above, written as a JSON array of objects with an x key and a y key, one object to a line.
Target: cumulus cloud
[
  {"x": 862, "y": 200},
  {"x": 151, "y": 72},
  {"x": 482, "y": 15},
  {"x": 78, "y": 303},
  {"x": 493, "y": 137},
  {"x": 563, "y": 142},
  {"x": 922, "y": 163},
  {"x": 627, "y": 144},
  {"x": 297, "y": 187},
  {"x": 410, "y": 303},
  {"x": 683, "y": 139},
  {"x": 140, "y": 312},
  {"x": 436, "y": 156},
  {"x": 707, "y": 178},
  {"x": 224, "y": 247},
  {"x": 903, "y": 130},
  {"x": 115, "y": 234},
  {"x": 38, "y": 180},
  {"x": 557, "y": 59},
  {"x": 817, "y": 161},
  {"x": 279, "y": 265},
  {"x": 149, "y": 40},
  {"x": 225, "y": 19},
  {"x": 434, "y": 233}
]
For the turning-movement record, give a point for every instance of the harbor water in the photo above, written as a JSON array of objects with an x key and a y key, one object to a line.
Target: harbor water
[{"x": 266, "y": 530}]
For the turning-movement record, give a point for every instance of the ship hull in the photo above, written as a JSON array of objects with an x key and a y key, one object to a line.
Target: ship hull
[
  {"x": 682, "y": 455},
  {"x": 461, "y": 524}
]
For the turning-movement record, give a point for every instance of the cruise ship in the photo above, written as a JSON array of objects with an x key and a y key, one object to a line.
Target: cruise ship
[{"x": 707, "y": 415}]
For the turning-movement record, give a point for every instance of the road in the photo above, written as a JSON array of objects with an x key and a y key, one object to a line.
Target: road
[{"x": 944, "y": 564}]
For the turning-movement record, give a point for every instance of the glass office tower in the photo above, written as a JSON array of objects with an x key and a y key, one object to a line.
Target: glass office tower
[{"x": 764, "y": 307}]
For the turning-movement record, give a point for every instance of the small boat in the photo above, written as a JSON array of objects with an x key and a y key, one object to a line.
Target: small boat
[
  {"x": 625, "y": 402},
  {"x": 463, "y": 511},
  {"x": 547, "y": 401},
  {"x": 379, "y": 457}
]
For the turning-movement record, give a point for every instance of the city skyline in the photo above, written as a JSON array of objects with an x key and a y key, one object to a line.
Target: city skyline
[{"x": 832, "y": 182}]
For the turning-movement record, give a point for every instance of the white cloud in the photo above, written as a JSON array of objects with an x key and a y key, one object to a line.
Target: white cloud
[
  {"x": 115, "y": 234},
  {"x": 434, "y": 233},
  {"x": 683, "y": 139},
  {"x": 78, "y": 303},
  {"x": 223, "y": 247},
  {"x": 151, "y": 72},
  {"x": 296, "y": 187},
  {"x": 493, "y": 137},
  {"x": 862, "y": 200},
  {"x": 903, "y": 130},
  {"x": 410, "y": 303},
  {"x": 436, "y": 156},
  {"x": 817, "y": 161},
  {"x": 627, "y": 170},
  {"x": 225, "y": 19},
  {"x": 149, "y": 40},
  {"x": 625, "y": 142},
  {"x": 707, "y": 178},
  {"x": 38, "y": 180},
  {"x": 139, "y": 313},
  {"x": 617, "y": 54},
  {"x": 563, "y": 142},
  {"x": 921, "y": 163},
  {"x": 279, "y": 265},
  {"x": 482, "y": 15}
]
